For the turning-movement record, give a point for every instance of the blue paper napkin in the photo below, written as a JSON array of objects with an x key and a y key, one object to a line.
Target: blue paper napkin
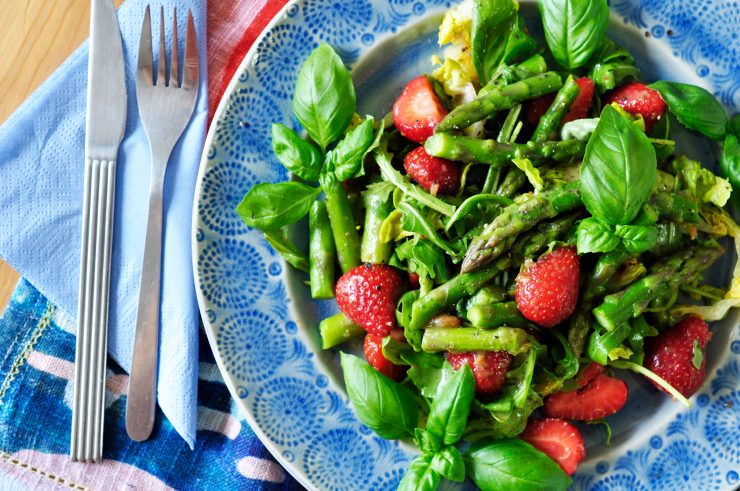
[{"x": 41, "y": 170}]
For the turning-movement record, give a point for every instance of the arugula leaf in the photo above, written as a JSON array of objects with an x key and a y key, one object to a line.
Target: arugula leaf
[
  {"x": 618, "y": 171},
  {"x": 296, "y": 154},
  {"x": 507, "y": 420},
  {"x": 574, "y": 29},
  {"x": 729, "y": 164},
  {"x": 290, "y": 252},
  {"x": 449, "y": 412},
  {"x": 449, "y": 463},
  {"x": 403, "y": 317},
  {"x": 477, "y": 207},
  {"x": 493, "y": 22},
  {"x": 594, "y": 235},
  {"x": 271, "y": 206},
  {"x": 324, "y": 99},
  {"x": 420, "y": 476},
  {"x": 387, "y": 408},
  {"x": 637, "y": 238},
  {"x": 611, "y": 65},
  {"x": 414, "y": 221},
  {"x": 345, "y": 160},
  {"x": 694, "y": 107},
  {"x": 703, "y": 183},
  {"x": 513, "y": 464},
  {"x": 423, "y": 258},
  {"x": 400, "y": 353}
]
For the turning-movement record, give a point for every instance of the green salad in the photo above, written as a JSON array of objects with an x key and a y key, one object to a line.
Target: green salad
[{"x": 515, "y": 235}]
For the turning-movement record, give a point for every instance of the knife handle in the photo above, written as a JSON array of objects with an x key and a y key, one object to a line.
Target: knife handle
[{"x": 140, "y": 406}]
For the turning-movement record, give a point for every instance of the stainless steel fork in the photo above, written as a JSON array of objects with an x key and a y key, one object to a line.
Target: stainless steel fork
[{"x": 166, "y": 105}]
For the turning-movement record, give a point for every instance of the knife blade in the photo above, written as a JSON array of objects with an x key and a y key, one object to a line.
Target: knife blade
[{"x": 105, "y": 126}]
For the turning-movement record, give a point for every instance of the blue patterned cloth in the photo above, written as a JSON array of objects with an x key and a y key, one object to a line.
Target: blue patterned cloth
[{"x": 36, "y": 370}]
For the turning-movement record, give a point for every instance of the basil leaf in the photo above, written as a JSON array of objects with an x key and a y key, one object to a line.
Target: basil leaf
[
  {"x": 637, "y": 238},
  {"x": 449, "y": 463},
  {"x": 324, "y": 99},
  {"x": 296, "y": 154},
  {"x": 618, "y": 171},
  {"x": 729, "y": 164},
  {"x": 513, "y": 464},
  {"x": 510, "y": 421},
  {"x": 387, "y": 408},
  {"x": 428, "y": 378},
  {"x": 694, "y": 107},
  {"x": 593, "y": 235},
  {"x": 347, "y": 157},
  {"x": 270, "y": 206},
  {"x": 611, "y": 65},
  {"x": 733, "y": 126},
  {"x": 420, "y": 476},
  {"x": 426, "y": 442},
  {"x": 290, "y": 252},
  {"x": 424, "y": 258},
  {"x": 573, "y": 29},
  {"x": 520, "y": 44},
  {"x": 449, "y": 412},
  {"x": 493, "y": 22}
]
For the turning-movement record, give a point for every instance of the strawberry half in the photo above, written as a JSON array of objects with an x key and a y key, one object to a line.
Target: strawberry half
[
  {"x": 489, "y": 368},
  {"x": 558, "y": 439},
  {"x": 368, "y": 294},
  {"x": 579, "y": 108},
  {"x": 589, "y": 373},
  {"x": 417, "y": 110},
  {"x": 547, "y": 290},
  {"x": 436, "y": 175},
  {"x": 597, "y": 399},
  {"x": 638, "y": 98},
  {"x": 675, "y": 354},
  {"x": 373, "y": 348}
]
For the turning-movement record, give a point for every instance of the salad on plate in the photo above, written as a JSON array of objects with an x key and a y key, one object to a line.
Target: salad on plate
[{"x": 514, "y": 236}]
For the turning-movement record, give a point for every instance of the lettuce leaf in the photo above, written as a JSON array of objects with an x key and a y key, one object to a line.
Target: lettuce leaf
[{"x": 705, "y": 185}]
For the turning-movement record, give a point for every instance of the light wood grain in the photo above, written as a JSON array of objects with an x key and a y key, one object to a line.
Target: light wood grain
[{"x": 35, "y": 38}]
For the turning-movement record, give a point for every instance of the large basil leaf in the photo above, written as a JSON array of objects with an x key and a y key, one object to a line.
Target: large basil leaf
[
  {"x": 296, "y": 154},
  {"x": 271, "y": 206},
  {"x": 345, "y": 160},
  {"x": 420, "y": 476},
  {"x": 387, "y": 408},
  {"x": 637, "y": 238},
  {"x": 324, "y": 99},
  {"x": 618, "y": 171},
  {"x": 449, "y": 412},
  {"x": 574, "y": 29},
  {"x": 593, "y": 235},
  {"x": 694, "y": 107},
  {"x": 513, "y": 464},
  {"x": 493, "y": 22},
  {"x": 449, "y": 463}
]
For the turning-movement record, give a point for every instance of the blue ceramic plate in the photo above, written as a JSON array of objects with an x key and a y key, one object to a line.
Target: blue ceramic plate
[{"x": 262, "y": 325}]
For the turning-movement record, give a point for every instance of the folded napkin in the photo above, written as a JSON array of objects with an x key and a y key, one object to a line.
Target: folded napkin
[{"x": 41, "y": 170}]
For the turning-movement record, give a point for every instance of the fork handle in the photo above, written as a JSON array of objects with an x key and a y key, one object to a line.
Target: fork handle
[{"x": 140, "y": 405}]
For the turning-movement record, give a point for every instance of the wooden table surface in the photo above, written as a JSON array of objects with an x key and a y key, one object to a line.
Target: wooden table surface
[{"x": 36, "y": 37}]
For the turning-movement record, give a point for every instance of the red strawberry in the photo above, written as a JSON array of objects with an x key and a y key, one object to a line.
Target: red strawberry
[
  {"x": 536, "y": 108},
  {"x": 374, "y": 355},
  {"x": 558, "y": 439},
  {"x": 579, "y": 108},
  {"x": 547, "y": 290},
  {"x": 417, "y": 110},
  {"x": 638, "y": 98},
  {"x": 597, "y": 399},
  {"x": 437, "y": 175},
  {"x": 367, "y": 294},
  {"x": 672, "y": 354},
  {"x": 489, "y": 368},
  {"x": 591, "y": 371}
]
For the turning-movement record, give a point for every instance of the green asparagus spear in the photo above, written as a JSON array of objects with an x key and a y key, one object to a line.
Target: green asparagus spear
[
  {"x": 468, "y": 149},
  {"x": 676, "y": 206},
  {"x": 322, "y": 253},
  {"x": 491, "y": 315},
  {"x": 346, "y": 238},
  {"x": 496, "y": 99},
  {"x": 681, "y": 268},
  {"x": 510, "y": 339},
  {"x": 550, "y": 122},
  {"x": 518, "y": 218},
  {"x": 337, "y": 329},
  {"x": 514, "y": 180},
  {"x": 377, "y": 208},
  {"x": 508, "y": 74}
]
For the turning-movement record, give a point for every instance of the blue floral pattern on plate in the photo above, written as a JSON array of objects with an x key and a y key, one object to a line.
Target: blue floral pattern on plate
[{"x": 253, "y": 304}]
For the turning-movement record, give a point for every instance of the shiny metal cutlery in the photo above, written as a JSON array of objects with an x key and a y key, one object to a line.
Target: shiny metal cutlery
[
  {"x": 106, "y": 121},
  {"x": 166, "y": 103}
]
